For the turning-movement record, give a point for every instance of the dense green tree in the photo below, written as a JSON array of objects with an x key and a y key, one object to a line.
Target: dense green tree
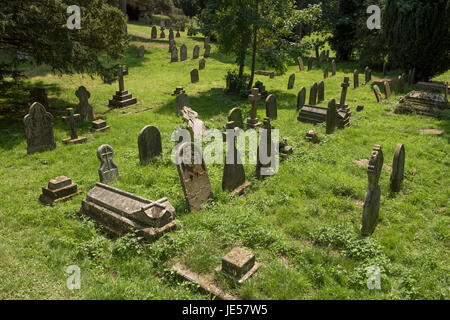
[
  {"x": 38, "y": 29},
  {"x": 417, "y": 35}
]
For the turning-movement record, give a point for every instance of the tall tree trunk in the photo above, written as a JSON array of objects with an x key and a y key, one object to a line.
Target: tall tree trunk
[
  {"x": 255, "y": 35},
  {"x": 123, "y": 7}
]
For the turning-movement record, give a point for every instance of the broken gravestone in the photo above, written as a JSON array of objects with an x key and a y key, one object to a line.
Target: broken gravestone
[
  {"x": 195, "y": 125},
  {"x": 39, "y": 129},
  {"x": 149, "y": 144},
  {"x": 398, "y": 168},
  {"x": 108, "y": 171}
]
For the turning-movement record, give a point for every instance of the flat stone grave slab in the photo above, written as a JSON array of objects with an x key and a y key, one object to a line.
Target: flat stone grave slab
[{"x": 58, "y": 189}]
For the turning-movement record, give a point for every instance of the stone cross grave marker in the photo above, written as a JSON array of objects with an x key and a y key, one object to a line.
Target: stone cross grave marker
[
  {"x": 313, "y": 94},
  {"x": 271, "y": 107},
  {"x": 196, "y": 52},
  {"x": 84, "y": 108},
  {"x": 193, "y": 175},
  {"x": 301, "y": 98},
  {"x": 377, "y": 93},
  {"x": 194, "y": 76},
  {"x": 291, "y": 81},
  {"x": 331, "y": 117},
  {"x": 149, "y": 144},
  {"x": 39, "y": 129},
  {"x": 108, "y": 171},
  {"x": 122, "y": 98},
  {"x": 372, "y": 202},
  {"x": 398, "y": 168},
  {"x": 355, "y": 79},
  {"x": 344, "y": 86},
  {"x": 321, "y": 92},
  {"x": 70, "y": 120},
  {"x": 183, "y": 53},
  {"x": 387, "y": 90},
  {"x": 254, "y": 98}
]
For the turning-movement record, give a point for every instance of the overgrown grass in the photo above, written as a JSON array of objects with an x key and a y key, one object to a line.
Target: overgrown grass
[{"x": 303, "y": 224}]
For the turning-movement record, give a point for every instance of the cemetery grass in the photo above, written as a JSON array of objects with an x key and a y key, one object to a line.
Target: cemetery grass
[{"x": 302, "y": 224}]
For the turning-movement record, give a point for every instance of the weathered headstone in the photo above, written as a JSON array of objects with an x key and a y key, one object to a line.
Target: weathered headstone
[
  {"x": 313, "y": 94},
  {"x": 193, "y": 175},
  {"x": 398, "y": 168},
  {"x": 387, "y": 90},
  {"x": 377, "y": 92},
  {"x": 58, "y": 189},
  {"x": 372, "y": 202},
  {"x": 325, "y": 73},
  {"x": 267, "y": 148},
  {"x": 310, "y": 63},
  {"x": 108, "y": 171},
  {"x": 177, "y": 35},
  {"x": 70, "y": 119},
  {"x": 174, "y": 55},
  {"x": 194, "y": 76},
  {"x": 300, "y": 64},
  {"x": 84, "y": 108},
  {"x": 171, "y": 35},
  {"x": 239, "y": 264},
  {"x": 254, "y": 98},
  {"x": 196, "y": 126},
  {"x": 183, "y": 53},
  {"x": 162, "y": 35},
  {"x": 122, "y": 98},
  {"x": 331, "y": 117},
  {"x": 271, "y": 107},
  {"x": 182, "y": 101},
  {"x": 207, "y": 51},
  {"x": 321, "y": 92},
  {"x": 39, "y": 129},
  {"x": 366, "y": 75},
  {"x": 233, "y": 178},
  {"x": 196, "y": 52},
  {"x": 355, "y": 79},
  {"x": 154, "y": 33},
  {"x": 201, "y": 64},
  {"x": 235, "y": 119},
  {"x": 99, "y": 125},
  {"x": 301, "y": 98},
  {"x": 333, "y": 67},
  {"x": 39, "y": 95},
  {"x": 291, "y": 81},
  {"x": 141, "y": 52},
  {"x": 172, "y": 44},
  {"x": 149, "y": 144}
]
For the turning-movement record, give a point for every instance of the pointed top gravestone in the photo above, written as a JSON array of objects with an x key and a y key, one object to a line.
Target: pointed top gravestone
[
  {"x": 108, "y": 171},
  {"x": 196, "y": 52},
  {"x": 84, "y": 108},
  {"x": 321, "y": 92},
  {"x": 183, "y": 53},
  {"x": 149, "y": 144},
  {"x": 331, "y": 117},
  {"x": 202, "y": 64},
  {"x": 271, "y": 107},
  {"x": 398, "y": 168},
  {"x": 313, "y": 94},
  {"x": 39, "y": 129},
  {"x": 291, "y": 81},
  {"x": 301, "y": 98}
]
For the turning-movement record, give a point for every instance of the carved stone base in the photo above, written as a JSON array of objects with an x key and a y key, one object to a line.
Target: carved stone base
[
  {"x": 122, "y": 99},
  {"x": 75, "y": 141},
  {"x": 58, "y": 189}
]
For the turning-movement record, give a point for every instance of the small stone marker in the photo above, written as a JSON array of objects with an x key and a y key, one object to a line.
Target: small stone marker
[
  {"x": 182, "y": 101},
  {"x": 271, "y": 107},
  {"x": 313, "y": 94},
  {"x": 141, "y": 52},
  {"x": 301, "y": 98},
  {"x": 196, "y": 52},
  {"x": 372, "y": 202},
  {"x": 70, "y": 119},
  {"x": 39, "y": 95},
  {"x": 233, "y": 178},
  {"x": 377, "y": 93},
  {"x": 331, "y": 117},
  {"x": 312, "y": 137},
  {"x": 321, "y": 92},
  {"x": 108, "y": 171},
  {"x": 235, "y": 119},
  {"x": 207, "y": 51},
  {"x": 84, "y": 108},
  {"x": 239, "y": 264},
  {"x": 177, "y": 35},
  {"x": 194, "y": 76},
  {"x": 300, "y": 64},
  {"x": 254, "y": 98},
  {"x": 122, "y": 98},
  {"x": 162, "y": 35},
  {"x": 174, "y": 55},
  {"x": 183, "y": 53},
  {"x": 154, "y": 33},
  {"x": 310, "y": 63},
  {"x": 355, "y": 79},
  {"x": 398, "y": 168},
  {"x": 387, "y": 90},
  {"x": 39, "y": 129},
  {"x": 333, "y": 67},
  {"x": 202, "y": 64},
  {"x": 285, "y": 149},
  {"x": 206, "y": 42},
  {"x": 193, "y": 175},
  {"x": 291, "y": 81},
  {"x": 58, "y": 189},
  {"x": 99, "y": 125},
  {"x": 149, "y": 144}
]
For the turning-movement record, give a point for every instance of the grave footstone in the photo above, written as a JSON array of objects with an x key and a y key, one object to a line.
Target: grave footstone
[
  {"x": 108, "y": 171},
  {"x": 194, "y": 76},
  {"x": 387, "y": 90},
  {"x": 174, "y": 55},
  {"x": 39, "y": 129},
  {"x": 196, "y": 52},
  {"x": 193, "y": 175},
  {"x": 300, "y": 64},
  {"x": 233, "y": 179},
  {"x": 331, "y": 117},
  {"x": 372, "y": 202},
  {"x": 377, "y": 92},
  {"x": 122, "y": 98},
  {"x": 149, "y": 144},
  {"x": 398, "y": 168},
  {"x": 202, "y": 64},
  {"x": 254, "y": 98},
  {"x": 84, "y": 108},
  {"x": 355, "y": 79},
  {"x": 183, "y": 53},
  {"x": 321, "y": 92},
  {"x": 301, "y": 98},
  {"x": 271, "y": 107},
  {"x": 70, "y": 120},
  {"x": 313, "y": 94},
  {"x": 333, "y": 67},
  {"x": 291, "y": 81},
  {"x": 58, "y": 189}
]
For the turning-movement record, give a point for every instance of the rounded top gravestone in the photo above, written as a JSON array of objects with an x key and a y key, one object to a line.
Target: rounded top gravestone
[
  {"x": 398, "y": 168},
  {"x": 149, "y": 143}
]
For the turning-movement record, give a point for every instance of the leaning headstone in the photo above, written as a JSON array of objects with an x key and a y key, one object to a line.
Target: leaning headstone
[
  {"x": 387, "y": 90},
  {"x": 333, "y": 67},
  {"x": 193, "y": 175},
  {"x": 70, "y": 119},
  {"x": 233, "y": 178},
  {"x": 291, "y": 81},
  {"x": 310, "y": 63},
  {"x": 39, "y": 129},
  {"x": 398, "y": 168},
  {"x": 300, "y": 64},
  {"x": 372, "y": 203},
  {"x": 122, "y": 212},
  {"x": 201, "y": 64},
  {"x": 196, "y": 52},
  {"x": 183, "y": 53},
  {"x": 194, "y": 76},
  {"x": 154, "y": 33},
  {"x": 253, "y": 98},
  {"x": 108, "y": 171},
  {"x": 321, "y": 92},
  {"x": 313, "y": 94},
  {"x": 235, "y": 119},
  {"x": 196, "y": 126},
  {"x": 149, "y": 144},
  {"x": 84, "y": 108},
  {"x": 301, "y": 98},
  {"x": 39, "y": 95},
  {"x": 141, "y": 52},
  {"x": 182, "y": 101},
  {"x": 174, "y": 55},
  {"x": 207, "y": 51},
  {"x": 331, "y": 117},
  {"x": 355, "y": 79},
  {"x": 377, "y": 92},
  {"x": 271, "y": 107},
  {"x": 58, "y": 189}
]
